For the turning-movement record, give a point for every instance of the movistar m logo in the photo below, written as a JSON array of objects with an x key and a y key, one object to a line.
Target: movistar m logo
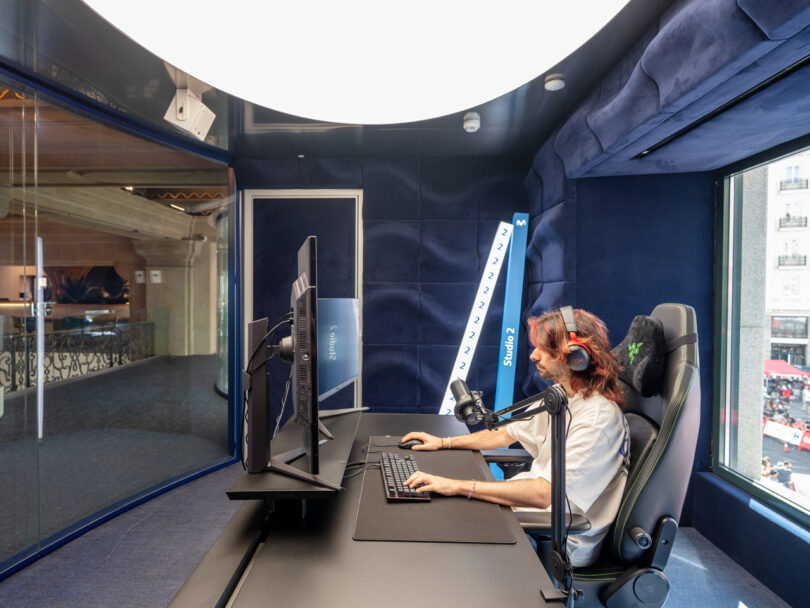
[
  {"x": 633, "y": 350},
  {"x": 521, "y": 222}
]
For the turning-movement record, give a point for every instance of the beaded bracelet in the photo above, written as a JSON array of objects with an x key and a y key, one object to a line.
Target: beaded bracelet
[{"x": 472, "y": 489}]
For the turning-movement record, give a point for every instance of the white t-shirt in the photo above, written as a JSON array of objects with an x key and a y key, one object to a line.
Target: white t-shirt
[{"x": 596, "y": 455}]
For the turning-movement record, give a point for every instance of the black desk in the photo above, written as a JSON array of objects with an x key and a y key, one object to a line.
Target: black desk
[
  {"x": 334, "y": 456},
  {"x": 316, "y": 562}
]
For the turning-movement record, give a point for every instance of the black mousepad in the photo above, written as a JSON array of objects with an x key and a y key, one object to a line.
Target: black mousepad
[{"x": 445, "y": 519}]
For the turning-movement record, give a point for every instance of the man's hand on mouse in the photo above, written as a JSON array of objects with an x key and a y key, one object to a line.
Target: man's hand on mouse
[{"x": 429, "y": 442}]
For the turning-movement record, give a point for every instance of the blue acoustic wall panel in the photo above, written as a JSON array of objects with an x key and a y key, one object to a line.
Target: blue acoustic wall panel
[
  {"x": 394, "y": 251},
  {"x": 391, "y": 376},
  {"x": 645, "y": 240},
  {"x": 455, "y": 205},
  {"x": 697, "y": 58},
  {"x": 551, "y": 253},
  {"x": 428, "y": 224},
  {"x": 391, "y": 189},
  {"x": 778, "y": 20},
  {"x": 400, "y": 324}
]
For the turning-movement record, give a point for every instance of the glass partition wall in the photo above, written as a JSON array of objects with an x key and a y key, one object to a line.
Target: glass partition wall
[
  {"x": 111, "y": 306},
  {"x": 19, "y": 481}
]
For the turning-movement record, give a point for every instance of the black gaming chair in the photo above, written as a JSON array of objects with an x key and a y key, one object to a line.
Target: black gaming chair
[{"x": 663, "y": 433}]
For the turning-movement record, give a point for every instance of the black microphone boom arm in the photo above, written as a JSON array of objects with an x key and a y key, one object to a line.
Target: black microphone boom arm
[
  {"x": 553, "y": 400},
  {"x": 471, "y": 410}
]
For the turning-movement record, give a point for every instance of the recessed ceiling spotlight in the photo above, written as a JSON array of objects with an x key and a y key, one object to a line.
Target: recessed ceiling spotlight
[
  {"x": 472, "y": 122},
  {"x": 555, "y": 82},
  {"x": 300, "y": 156},
  {"x": 129, "y": 188}
]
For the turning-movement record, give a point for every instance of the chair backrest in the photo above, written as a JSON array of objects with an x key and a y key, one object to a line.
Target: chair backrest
[{"x": 663, "y": 431}]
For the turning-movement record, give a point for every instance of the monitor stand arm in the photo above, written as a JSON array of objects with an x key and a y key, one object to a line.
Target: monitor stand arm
[
  {"x": 281, "y": 464},
  {"x": 276, "y": 465},
  {"x": 329, "y": 414}
]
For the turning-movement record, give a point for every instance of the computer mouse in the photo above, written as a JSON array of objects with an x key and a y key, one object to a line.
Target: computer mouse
[{"x": 407, "y": 445}]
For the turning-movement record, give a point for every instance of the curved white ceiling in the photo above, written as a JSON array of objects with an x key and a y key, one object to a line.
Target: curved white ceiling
[{"x": 362, "y": 61}]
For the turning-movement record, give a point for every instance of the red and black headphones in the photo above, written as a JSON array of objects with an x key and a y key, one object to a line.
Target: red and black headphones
[{"x": 579, "y": 355}]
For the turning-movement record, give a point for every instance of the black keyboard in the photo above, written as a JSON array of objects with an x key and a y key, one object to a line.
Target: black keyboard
[{"x": 395, "y": 472}]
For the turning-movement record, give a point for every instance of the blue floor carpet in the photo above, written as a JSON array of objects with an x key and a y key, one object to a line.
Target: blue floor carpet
[
  {"x": 139, "y": 559},
  {"x": 700, "y": 575},
  {"x": 108, "y": 436}
]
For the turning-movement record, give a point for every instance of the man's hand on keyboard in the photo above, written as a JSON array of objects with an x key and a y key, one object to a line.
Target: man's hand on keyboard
[
  {"x": 434, "y": 483},
  {"x": 429, "y": 442}
]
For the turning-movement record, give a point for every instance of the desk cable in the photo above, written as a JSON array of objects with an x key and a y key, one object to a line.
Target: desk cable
[
  {"x": 243, "y": 434},
  {"x": 362, "y": 465}
]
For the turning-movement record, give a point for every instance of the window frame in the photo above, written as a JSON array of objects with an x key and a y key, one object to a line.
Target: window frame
[{"x": 728, "y": 229}]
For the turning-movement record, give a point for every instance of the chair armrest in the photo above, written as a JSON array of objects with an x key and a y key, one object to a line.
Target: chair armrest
[
  {"x": 540, "y": 521},
  {"x": 511, "y": 455}
]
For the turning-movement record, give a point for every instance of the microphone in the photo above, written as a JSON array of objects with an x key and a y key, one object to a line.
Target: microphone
[{"x": 469, "y": 408}]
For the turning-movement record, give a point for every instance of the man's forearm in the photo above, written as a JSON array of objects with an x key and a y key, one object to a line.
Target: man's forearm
[
  {"x": 535, "y": 493},
  {"x": 482, "y": 440}
]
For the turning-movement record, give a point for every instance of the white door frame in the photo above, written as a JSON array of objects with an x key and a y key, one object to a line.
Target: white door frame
[{"x": 248, "y": 196}]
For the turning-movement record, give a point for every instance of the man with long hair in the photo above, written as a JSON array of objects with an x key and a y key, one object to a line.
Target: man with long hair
[{"x": 597, "y": 440}]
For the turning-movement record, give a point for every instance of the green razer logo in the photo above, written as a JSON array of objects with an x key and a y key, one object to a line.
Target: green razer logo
[{"x": 633, "y": 350}]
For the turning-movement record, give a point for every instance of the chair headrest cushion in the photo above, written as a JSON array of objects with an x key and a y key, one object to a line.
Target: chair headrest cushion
[{"x": 643, "y": 355}]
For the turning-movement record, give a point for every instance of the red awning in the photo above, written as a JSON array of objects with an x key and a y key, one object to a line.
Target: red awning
[{"x": 782, "y": 369}]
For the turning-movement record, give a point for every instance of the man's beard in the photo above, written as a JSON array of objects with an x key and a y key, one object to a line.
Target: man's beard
[{"x": 547, "y": 374}]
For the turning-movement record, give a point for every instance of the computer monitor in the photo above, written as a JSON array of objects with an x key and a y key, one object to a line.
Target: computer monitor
[
  {"x": 303, "y": 352},
  {"x": 300, "y": 349}
]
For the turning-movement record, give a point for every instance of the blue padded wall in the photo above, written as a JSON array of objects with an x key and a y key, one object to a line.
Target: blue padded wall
[
  {"x": 642, "y": 241},
  {"x": 551, "y": 253},
  {"x": 618, "y": 247},
  {"x": 428, "y": 225},
  {"x": 698, "y": 57}
]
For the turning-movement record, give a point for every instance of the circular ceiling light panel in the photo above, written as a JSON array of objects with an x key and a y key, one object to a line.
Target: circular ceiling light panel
[{"x": 361, "y": 61}]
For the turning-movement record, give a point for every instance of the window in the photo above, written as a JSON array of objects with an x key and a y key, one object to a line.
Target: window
[
  {"x": 764, "y": 387},
  {"x": 788, "y": 327},
  {"x": 792, "y": 353},
  {"x": 792, "y": 180},
  {"x": 110, "y": 323}
]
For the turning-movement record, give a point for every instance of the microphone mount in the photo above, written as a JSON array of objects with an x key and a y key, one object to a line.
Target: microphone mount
[
  {"x": 470, "y": 409},
  {"x": 554, "y": 400}
]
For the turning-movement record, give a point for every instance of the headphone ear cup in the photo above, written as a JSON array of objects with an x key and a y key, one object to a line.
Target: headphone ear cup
[{"x": 578, "y": 358}]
